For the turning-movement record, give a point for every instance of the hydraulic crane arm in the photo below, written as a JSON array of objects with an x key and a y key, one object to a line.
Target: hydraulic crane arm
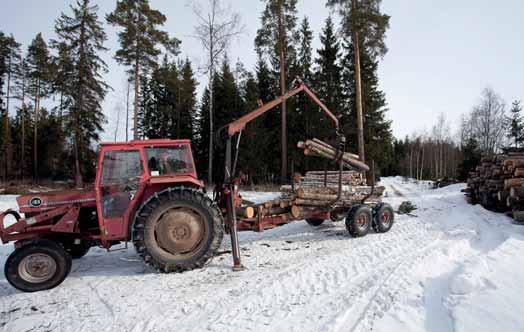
[{"x": 239, "y": 124}]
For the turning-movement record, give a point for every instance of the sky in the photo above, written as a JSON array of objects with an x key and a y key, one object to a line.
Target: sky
[{"x": 442, "y": 54}]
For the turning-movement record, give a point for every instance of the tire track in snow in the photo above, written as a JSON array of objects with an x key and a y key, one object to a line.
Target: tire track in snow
[{"x": 309, "y": 288}]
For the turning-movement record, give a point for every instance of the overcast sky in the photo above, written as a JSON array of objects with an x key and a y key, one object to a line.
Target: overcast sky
[{"x": 441, "y": 53}]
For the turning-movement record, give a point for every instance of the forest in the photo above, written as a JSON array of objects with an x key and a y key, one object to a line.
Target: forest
[{"x": 52, "y": 92}]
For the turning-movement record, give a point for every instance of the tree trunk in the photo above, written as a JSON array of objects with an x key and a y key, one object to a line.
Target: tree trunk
[
  {"x": 22, "y": 157},
  {"x": 211, "y": 133},
  {"x": 7, "y": 153},
  {"x": 35, "y": 138},
  {"x": 137, "y": 91},
  {"x": 78, "y": 174},
  {"x": 282, "y": 40},
  {"x": 127, "y": 111},
  {"x": 358, "y": 91},
  {"x": 422, "y": 164}
]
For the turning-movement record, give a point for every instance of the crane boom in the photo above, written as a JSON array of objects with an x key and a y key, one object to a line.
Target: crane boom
[{"x": 239, "y": 124}]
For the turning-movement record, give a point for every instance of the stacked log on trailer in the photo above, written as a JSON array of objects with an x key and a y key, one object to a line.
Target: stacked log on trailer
[
  {"x": 498, "y": 184},
  {"x": 318, "y": 190},
  {"x": 330, "y": 179}
]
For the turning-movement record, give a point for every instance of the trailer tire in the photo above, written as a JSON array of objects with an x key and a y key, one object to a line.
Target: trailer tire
[
  {"x": 383, "y": 218},
  {"x": 358, "y": 220},
  {"x": 177, "y": 229},
  {"x": 37, "y": 265},
  {"x": 314, "y": 221}
]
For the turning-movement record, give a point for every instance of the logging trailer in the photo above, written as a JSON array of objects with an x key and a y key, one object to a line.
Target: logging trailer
[{"x": 148, "y": 192}]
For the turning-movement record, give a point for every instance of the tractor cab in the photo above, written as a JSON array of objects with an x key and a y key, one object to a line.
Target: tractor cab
[{"x": 129, "y": 173}]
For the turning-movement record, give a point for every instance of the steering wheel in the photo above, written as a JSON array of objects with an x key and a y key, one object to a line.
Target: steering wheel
[{"x": 132, "y": 183}]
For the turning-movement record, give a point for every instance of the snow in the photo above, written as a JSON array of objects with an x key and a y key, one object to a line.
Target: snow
[{"x": 446, "y": 266}]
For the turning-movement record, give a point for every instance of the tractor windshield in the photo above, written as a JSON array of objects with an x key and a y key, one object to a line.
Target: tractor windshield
[{"x": 169, "y": 160}]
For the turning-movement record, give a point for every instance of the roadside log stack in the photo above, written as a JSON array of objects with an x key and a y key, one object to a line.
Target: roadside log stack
[{"x": 498, "y": 184}]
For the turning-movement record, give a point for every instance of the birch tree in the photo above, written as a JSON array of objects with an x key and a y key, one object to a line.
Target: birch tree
[{"x": 217, "y": 25}]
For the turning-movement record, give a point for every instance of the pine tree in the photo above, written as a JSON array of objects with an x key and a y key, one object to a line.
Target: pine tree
[
  {"x": 10, "y": 57},
  {"x": 83, "y": 36},
  {"x": 139, "y": 40},
  {"x": 363, "y": 22},
  {"x": 516, "y": 130},
  {"x": 63, "y": 70},
  {"x": 276, "y": 40},
  {"x": 38, "y": 63}
]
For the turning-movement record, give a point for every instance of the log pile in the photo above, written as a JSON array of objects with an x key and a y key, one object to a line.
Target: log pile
[
  {"x": 330, "y": 179},
  {"x": 498, "y": 184}
]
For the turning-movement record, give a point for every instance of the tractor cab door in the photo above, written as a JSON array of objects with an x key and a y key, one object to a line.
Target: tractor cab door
[{"x": 118, "y": 182}]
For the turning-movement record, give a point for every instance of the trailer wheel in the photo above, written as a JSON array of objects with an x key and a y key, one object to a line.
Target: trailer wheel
[
  {"x": 314, "y": 221},
  {"x": 38, "y": 265},
  {"x": 177, "y": 229},
  {"x": 358, "y": 220},
  {"x": 383, "y": 218}
]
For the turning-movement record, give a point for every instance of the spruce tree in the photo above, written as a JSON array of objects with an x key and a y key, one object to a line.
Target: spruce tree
[
  {"x": 269, "y": 141},
  {"x": 83, "y": 37},
  {"x": 328, "y": 78},
  {"x": 516, "y": 130},
  {"x": 301, "y": 119},
  {"x": 139, "y": 40},
  {"x": 187, "y": 106},
  {"x": 377, "y": 129}
]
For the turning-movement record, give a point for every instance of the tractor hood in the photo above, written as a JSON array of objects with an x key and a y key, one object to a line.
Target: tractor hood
[{"x": 38, "y": 202}]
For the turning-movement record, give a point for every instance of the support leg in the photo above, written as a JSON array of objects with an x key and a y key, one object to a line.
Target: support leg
[{"x": 235, "y": 248}]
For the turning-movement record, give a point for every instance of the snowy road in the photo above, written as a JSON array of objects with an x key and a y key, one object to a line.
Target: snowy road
[{"x": 450, "y": 266}]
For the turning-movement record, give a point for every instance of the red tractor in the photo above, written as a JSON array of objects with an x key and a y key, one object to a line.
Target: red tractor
[
  {"x": 145, "y": 191},
  {"x": 148, "y": 192}
]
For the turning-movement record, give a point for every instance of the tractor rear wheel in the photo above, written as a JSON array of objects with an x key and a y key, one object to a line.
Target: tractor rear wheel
[
  {"x": 37, "y": 265},
  {"x": 358, "y": 220},
  {"x": 178, "y": 229}
]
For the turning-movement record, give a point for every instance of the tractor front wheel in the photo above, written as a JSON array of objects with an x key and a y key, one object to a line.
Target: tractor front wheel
[
  {"x": 37, "y": 265},
  {"x": 178, "y": 229}
]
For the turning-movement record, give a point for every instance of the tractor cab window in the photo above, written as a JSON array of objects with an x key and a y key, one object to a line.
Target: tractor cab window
[
  {"x": 169, "y": 160},
  {"x": 121, "y": 173}
]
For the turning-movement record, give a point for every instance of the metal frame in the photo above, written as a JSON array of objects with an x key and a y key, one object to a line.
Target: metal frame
[{"x": 229, "y": 190}]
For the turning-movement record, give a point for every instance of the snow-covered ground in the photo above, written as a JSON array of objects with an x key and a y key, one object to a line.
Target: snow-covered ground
[{"x": 448, "y": 266}]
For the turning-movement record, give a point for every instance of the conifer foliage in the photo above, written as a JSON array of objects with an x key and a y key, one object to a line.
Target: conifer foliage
[
  {"x": 81, "y": 38},
  {"x": 51, "y": 98}
]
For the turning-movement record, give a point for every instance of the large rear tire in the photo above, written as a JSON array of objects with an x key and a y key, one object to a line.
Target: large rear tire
[
  {"x": 177, "y": 229},
  {"x": 37, "y": 265}
]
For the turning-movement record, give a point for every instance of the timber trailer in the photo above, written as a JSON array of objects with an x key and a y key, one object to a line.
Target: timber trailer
[{"x": 148, "y": 192}]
